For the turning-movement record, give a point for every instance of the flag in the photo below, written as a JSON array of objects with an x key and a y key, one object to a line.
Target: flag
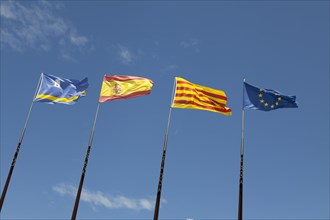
[
  {"x": 123, "y": 87},
  {"x": 266, "y": 99},
  {"x": 193, "y": 96},
  {"x": 53, "y": 89}
]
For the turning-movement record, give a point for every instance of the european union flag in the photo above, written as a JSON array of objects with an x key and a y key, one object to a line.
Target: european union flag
[
  {"x": 54, "y": 89},
  {"x": 266, "y": 99}
]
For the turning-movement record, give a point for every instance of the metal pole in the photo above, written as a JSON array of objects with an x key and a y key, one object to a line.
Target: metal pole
[
  {"x": 75, "y": 209},
  {"x": 160, "y": 182},
  {"x": 4, "y": 192},
  {"x": 159, "y": 189},
  {"x": 240, "y": 196},
  {"x": 240, "y": 202}
]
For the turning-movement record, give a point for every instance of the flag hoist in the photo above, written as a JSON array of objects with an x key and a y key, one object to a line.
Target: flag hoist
[
  {"x": 50, "y": 90},
  {"x": 264, "y": 100},
  {"x": 113, "y": 87},
  {"x": 191, "y": 96}
]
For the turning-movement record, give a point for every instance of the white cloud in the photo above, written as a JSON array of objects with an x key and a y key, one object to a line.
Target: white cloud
[
  {"x": 98, "y": 198},
  {"x": 36, "y": 26},
  {"x": 7, "y": 11},
  {"x": 172, "y": 66},
  {"x": 191, "y": 43},
  {"x": 126, "y": 56},
  {"x": 8, "y": 38},
  {"x": 77, "y": 40}
]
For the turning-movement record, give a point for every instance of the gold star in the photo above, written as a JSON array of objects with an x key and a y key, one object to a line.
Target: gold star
[
  {"x": 276, "y": 103},
  {"x": 279, "y": 98},
  {"x": 260, "y": 90},
  {"x": 266, "y": 104},
  {"x": 262, "y": 101},
  {"x": 272, "y": 106},
  {"x": 260, "y": 95}
]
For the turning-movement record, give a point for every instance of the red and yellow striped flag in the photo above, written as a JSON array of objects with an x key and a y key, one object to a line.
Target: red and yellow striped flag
[
  {"x": 193, "y": 96},
  {"x": 123, "y": 87}
]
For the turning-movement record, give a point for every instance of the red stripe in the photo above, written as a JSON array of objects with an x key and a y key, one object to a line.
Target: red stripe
[
  {"x": 211, "y": 102},
  {"x": 124, "y": 78},
  {"x": 202, "y": 91},
  {"x": 131, "y": 95},
  {"x": 224, "y": 110},
  {"x": 184, "y": 82}
]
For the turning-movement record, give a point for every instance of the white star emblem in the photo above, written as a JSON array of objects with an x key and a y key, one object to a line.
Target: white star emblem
[{"x": 57, "y": 83}]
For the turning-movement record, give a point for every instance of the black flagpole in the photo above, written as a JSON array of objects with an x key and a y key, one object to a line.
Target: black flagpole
[
  {"x": 240, "y": 202},
  {"x": 160, "y": 182},
  {"x": 75, "y": 209},
  {"x": 240, "y": 196},
  {"x": 4, "y": 192},
  {"x": 159, "y": 189}
]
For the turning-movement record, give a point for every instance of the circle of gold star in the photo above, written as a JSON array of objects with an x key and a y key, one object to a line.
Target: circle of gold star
[{"x": 265, "y": 104}]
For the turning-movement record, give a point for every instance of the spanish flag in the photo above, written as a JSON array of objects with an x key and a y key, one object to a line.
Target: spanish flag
[
  {"x": 193, "y": 96},
  {"x": 123, "y": 87}
]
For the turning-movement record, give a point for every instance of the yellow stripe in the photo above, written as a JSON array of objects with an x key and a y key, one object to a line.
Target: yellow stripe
[
  {"x": 197, "y": 101},
  {"x": 188, "y": 106},
  {"x": 124, "y": 87},
  {"x": 199, "y": 95},
  {"x": 206, "y": 89},
  {"x": 56, "y": 99},
  {"x": 203, "y": 88}
]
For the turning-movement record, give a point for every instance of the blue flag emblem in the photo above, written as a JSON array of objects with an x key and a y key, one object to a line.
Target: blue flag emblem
[
  {"x": 266, "y": 99},
  {"x": 53, "y": 89}
]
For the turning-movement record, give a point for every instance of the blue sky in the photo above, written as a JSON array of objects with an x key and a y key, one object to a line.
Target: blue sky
[{"x": 282, "y": 45}]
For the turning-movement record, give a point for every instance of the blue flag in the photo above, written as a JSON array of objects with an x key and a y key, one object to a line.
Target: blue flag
[
  {"x": 54, "y": 89},
  {"x": 266, "y": 99}
]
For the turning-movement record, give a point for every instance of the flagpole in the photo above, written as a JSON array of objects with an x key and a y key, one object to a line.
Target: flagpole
[
  {"x": 4, "y": 192},
  {"x": 240, "y": 202},
  {"x": 240, "y": 197},
  {"x": 75, "y": 209},
  {"x": 159, "y": 190},
  {"x": 162, "y": 166}
]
